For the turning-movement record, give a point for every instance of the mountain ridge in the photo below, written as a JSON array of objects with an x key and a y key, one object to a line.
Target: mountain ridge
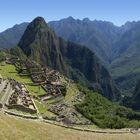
[{"x": 10, "y": 37}]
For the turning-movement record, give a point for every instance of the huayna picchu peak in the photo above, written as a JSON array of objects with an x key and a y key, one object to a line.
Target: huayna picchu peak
[
  {"x": 77, "y": 62},
  {"x": 41, "y": 44},
  {"x": 39, "y": 20}
]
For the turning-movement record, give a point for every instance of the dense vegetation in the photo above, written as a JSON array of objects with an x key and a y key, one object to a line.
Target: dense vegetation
[
  {"x": 2, "y": 56},
  {"x": 106, "y": 114}
]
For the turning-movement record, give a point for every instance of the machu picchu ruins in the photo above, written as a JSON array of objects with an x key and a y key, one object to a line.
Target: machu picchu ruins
[
  {"x": 55, "y": 89},
  {"x": 14, "y": 95},
  {"x": 68, "y": 114},
  {"x": 20, "y": 99}
]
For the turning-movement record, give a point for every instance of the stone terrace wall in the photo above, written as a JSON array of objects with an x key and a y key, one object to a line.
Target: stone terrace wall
[
  {"x": 21, "y": 108},
  {"x": 1, "y": 105}
]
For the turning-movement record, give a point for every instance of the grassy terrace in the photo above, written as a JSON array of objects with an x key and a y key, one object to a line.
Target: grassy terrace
[
  {"x": 9, "y": 71},
  {"x": 1, "y": 95},
  {"x": 43, "y": 109},
  {"x": 20, "y": 129}
]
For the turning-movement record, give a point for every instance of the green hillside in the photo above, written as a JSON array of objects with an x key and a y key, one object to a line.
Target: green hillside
[{"x": 106, "y": 114}]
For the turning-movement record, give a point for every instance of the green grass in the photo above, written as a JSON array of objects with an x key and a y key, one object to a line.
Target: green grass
[
  {"x": 1, "y": 95},
  {"x": 106, "y": 114},
  {"x": 72, "y": 89},
  {"x": 71, "y": 92},
  {"x": 12, "y": 128},
  {"x": 9, "y": 71},
  {"x": 43, "y": 109},
  {"x": 21, "y": 112},
  {"x": 92, "y": 126}
]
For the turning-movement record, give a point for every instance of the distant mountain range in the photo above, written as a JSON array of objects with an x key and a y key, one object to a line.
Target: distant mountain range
[
  {"x": 125, "y": 65},
  {"x": 10, "y": 37},
  {"x": 117, "y": 47},
  {"x": 99, "y": 36}
]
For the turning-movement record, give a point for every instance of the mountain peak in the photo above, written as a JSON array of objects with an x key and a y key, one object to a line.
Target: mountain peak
[
  {"x": 70, "y": 19},
  {"x": 86, "y": 20},
  {"x": 37, "y": 32},
  {"x": 39, "y": 20}
]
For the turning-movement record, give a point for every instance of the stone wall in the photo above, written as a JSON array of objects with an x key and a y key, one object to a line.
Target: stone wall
[
  {"x": 22, "y": 108},
  {"x": 1, "y": 105},
  {"x": 21, "y": 115}
]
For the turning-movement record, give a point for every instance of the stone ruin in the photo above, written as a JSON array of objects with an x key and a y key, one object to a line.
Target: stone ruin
[
  {"x": 53, "y": 91},
  {"x": 49, "y": 79},
  {"x": 68, "y": 115},
  {"x": 45, "y": 75},
  {"x": 20, "y": 99},
  {"x": 0, "y": 90}
]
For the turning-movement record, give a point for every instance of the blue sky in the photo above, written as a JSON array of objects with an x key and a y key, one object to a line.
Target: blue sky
[{"x": 117, "y": 11}]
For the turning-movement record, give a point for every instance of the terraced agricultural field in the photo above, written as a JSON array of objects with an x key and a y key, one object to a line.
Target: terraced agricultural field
[
  {"x": 43, "y": 108},
  {"x": 9, "y": 71}
]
